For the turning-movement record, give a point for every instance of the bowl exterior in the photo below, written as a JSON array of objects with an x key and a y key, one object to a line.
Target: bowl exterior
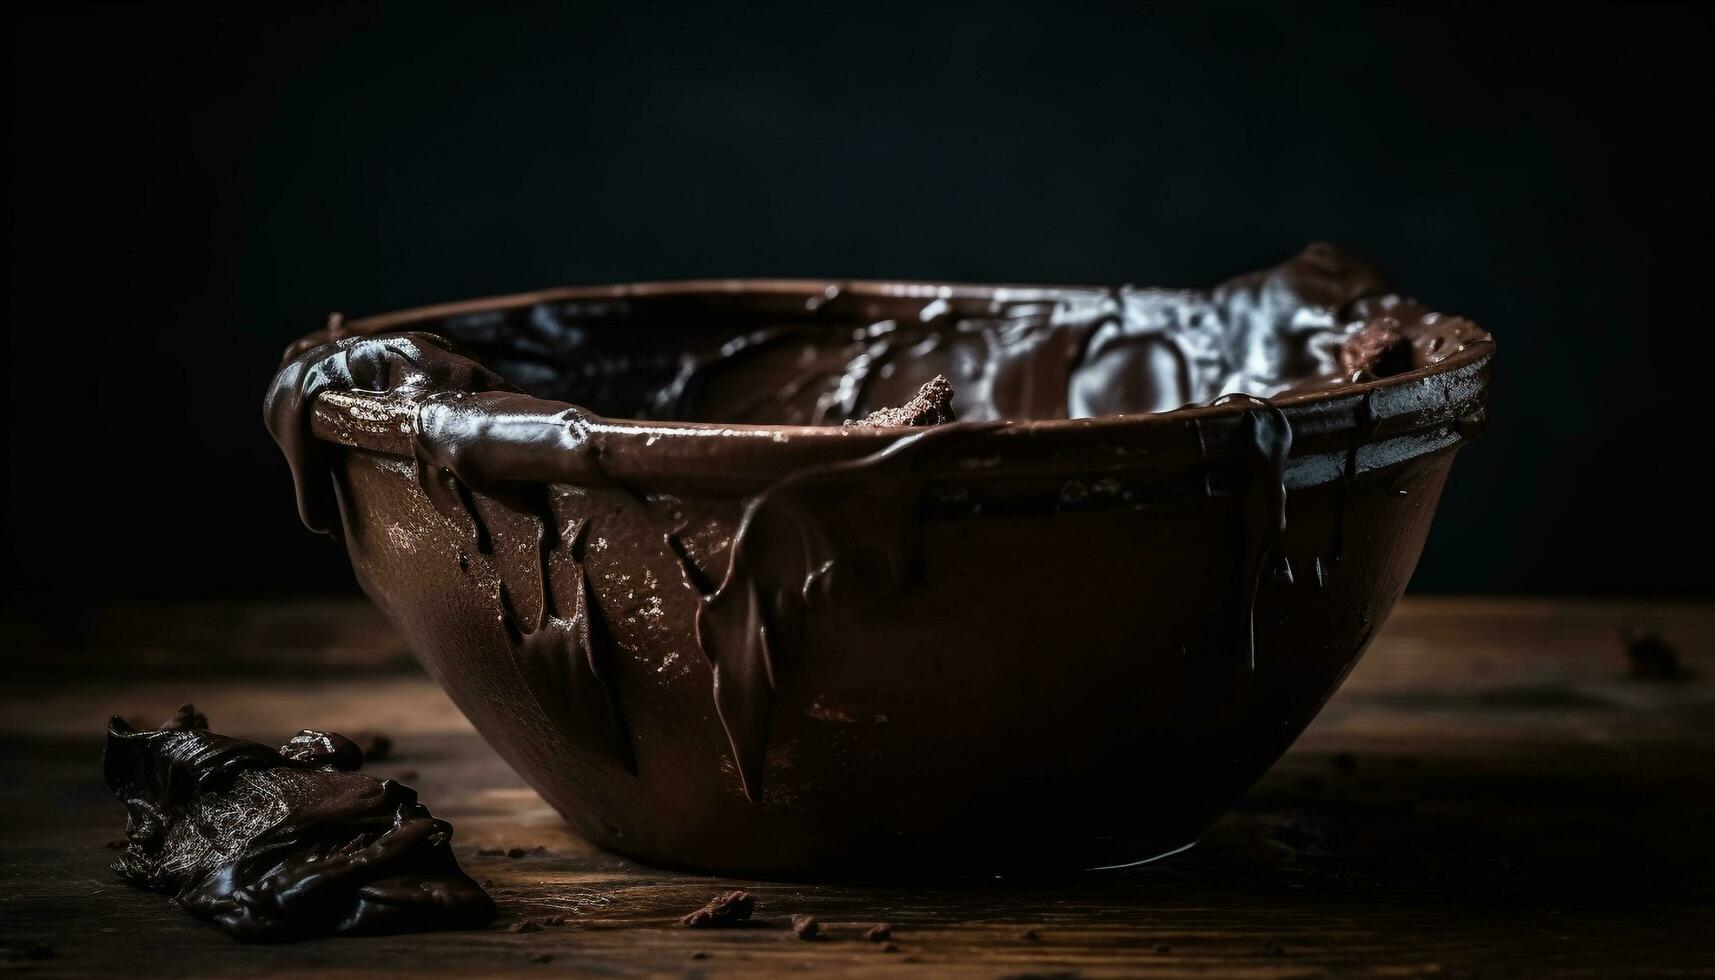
[{"x": 1073, "y": 677}]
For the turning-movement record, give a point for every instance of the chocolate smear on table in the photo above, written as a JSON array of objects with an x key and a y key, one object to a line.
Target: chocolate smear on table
[{"x": 283, "y": 844}]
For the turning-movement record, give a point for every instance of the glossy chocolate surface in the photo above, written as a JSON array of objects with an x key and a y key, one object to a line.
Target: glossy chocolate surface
[
  {"x": 716, "y": 526},
  {"x": 273, "y": 845}
]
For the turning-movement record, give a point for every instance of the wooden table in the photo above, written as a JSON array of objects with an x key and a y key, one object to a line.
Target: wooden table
[{"x": 1490, "y": 794}]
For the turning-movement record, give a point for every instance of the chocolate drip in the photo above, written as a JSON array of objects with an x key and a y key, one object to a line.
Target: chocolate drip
[
  {"x": 1264, "y": 439},
  {"x": 1362, "y": 432},
  {"x": 491, "y": 441},
  {"x": 408, "y": 365},
  {"x": 800, "y": 560},
  {"x": 275, "y": 845},
  {"x": 494, "y": 443},
  {"x": 564, "y": 663}
]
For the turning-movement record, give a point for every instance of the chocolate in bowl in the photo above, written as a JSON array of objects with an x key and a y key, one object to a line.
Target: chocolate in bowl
[{"x": 717, "y": 629}]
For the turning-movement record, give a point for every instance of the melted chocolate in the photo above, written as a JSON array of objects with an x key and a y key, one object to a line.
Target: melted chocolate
[
  {"x": 817, "y": 546},
  {"x": 814, "y": 548},
  {"x": 276, "y": 845},
  {"x": 408, "y": 365}
]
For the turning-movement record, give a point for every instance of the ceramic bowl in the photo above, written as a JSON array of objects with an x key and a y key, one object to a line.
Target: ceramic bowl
[{"x": 1015, "y": 646}]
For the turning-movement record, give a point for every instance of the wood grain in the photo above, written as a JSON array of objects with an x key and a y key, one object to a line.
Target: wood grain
[{"x": 1489, "y": 795}]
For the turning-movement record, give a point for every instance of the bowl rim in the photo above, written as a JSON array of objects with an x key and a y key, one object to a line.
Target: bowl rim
[{"x": 1339, "y": 431}]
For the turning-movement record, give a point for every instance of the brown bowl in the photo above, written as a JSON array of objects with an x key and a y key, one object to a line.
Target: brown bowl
[{"x": 1020, "y": 643}]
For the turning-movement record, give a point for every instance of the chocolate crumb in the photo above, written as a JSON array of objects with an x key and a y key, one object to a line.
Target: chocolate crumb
[
  {"x": 932, "y": 405},
  {"x": 880, "y": 932},
  {"x": 1652, "y": 658},
  {"x": 1381, "y": 351},
  {"x": 699, "y": 955},
  {"x": 375, "y": 745},
  {"x": 723, "y": 910},
  {"x": 515, "y": 852},
  {"x": 541, "y": 957},
  {"x": 524, "y": 925},
  {"x": 805, "y": 926},
  {"x": 1030, "y": 936},
  {"x": 1345, "y": 762},
  {"x": 187, "y": 718}
]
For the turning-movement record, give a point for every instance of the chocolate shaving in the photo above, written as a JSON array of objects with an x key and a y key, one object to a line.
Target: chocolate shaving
[
  {"x": 879, "y": 933},
  {"x": 932, "y": 405},
  {"x": 805, "y": 926},
  {"x": 726, "y": 909}
]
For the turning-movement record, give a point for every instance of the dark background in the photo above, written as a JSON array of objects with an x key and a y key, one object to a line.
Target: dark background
[{"x": 189, "y": 188}]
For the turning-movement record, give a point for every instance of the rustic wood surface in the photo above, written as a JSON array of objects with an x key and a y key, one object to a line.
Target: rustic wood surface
[{"x": 1489, "y": 795}]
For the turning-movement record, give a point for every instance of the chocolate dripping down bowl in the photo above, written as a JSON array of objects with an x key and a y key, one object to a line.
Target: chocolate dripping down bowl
[{"x": 626, "y": 530}]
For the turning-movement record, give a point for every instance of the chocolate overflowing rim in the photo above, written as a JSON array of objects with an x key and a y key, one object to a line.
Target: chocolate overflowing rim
[{"x": 1396, "y": 418}]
